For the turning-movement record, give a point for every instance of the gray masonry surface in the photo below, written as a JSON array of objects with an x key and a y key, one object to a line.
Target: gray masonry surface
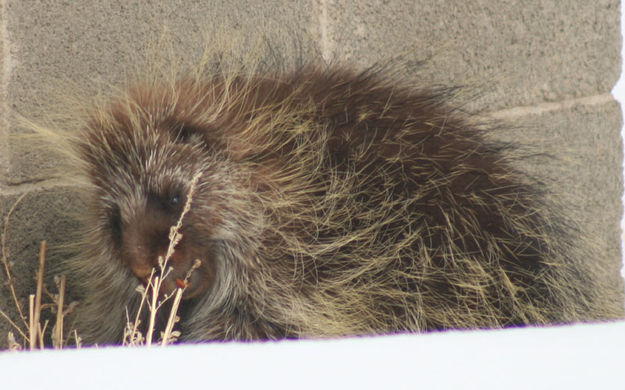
[{"x": 544, "y": 67}]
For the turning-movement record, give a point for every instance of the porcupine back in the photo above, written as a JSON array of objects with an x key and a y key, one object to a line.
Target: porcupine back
[{"x": 332, "y": 202}]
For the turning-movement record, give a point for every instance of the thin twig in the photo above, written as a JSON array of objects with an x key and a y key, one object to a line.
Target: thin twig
[
  {"x": 57, "y": 337},
  {"x": 12, "y": 344},
  {"x": 153, "y": 309},
  {"x": 77, "y": 340},
  {"x": 174, "y": 239},
  {"x": 32, "y": 331},
  {"x": 155, "y": 282},
  {"x": 42, "y": 331},
  {"x": 5, "y": 260},
  {"x": 13, "y": 324},
  {"x": 144, "y": 295},
  {"x": 174, "y": 236},
  {"x": 37, "y": 310},
  {"x": 173, "y": 318},
  {"x": 167, "y": 334}
]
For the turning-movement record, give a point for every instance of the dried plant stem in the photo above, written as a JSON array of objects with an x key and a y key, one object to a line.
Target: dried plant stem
[
  {"x": 12, "y": 344},
  {"x": 153, "y": 310},
  {"x": 32, "y": 330},
  {"x": 144, "y": 295},
  {"x": 38, "y": 332},
  {"x": 174, "y": 236},
  {"x": 172, "y": 318},
  {"x": 154, "y": 286},
  {"x": 13, "y": 324},
  {"x": 168, "y": 336},
  {"x": 77, "y": 340},
  {"x": 174, "y": 239},
  {"x": 7, "y": 265},
  {"x": 57, "y": 337}
]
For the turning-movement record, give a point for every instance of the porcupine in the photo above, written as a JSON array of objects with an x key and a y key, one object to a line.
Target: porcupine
[{"x": 331, "y": 202}]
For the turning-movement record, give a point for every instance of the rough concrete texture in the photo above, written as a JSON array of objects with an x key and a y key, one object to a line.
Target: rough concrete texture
[
  {"x": 544, "y": 66},
  {"x": 4, "y": 124},
  {"x": 524, "y": 52}
]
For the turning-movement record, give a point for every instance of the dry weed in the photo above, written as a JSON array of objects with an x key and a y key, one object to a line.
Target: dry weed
[
  {"x": 150, "y": 293},
  {"x": 33, "y": 332}
]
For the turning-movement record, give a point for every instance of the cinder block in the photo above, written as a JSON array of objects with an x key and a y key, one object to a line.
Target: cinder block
[
  {"x": 4, "y": 155},
  {"x": 520, "y": 53}
]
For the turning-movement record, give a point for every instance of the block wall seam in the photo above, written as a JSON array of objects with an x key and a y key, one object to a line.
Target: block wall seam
[
  {"x": 4, "y": 94},
  {"x": 541, "y": 108}
]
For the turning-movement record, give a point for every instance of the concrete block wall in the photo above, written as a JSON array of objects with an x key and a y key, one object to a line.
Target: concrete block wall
[{"x": 545, "y": 67}]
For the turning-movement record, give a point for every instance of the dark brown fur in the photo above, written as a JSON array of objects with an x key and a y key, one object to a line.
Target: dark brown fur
[{"x": 331, "y": 202}]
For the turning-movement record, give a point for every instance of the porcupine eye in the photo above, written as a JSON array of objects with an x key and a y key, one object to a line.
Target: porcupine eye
[
  {"x": 174, "y": 200},
  {"x": 171, "y": 203},
  {"x": 168, "y": 203},
  {"x": 116, "y": 225}
]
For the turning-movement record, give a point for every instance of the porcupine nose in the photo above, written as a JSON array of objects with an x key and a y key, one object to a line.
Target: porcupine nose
[
  {"x": 145, "y": 238},
  {"x": 139, "y": 257},
  {"x": 139, "y": 264}
]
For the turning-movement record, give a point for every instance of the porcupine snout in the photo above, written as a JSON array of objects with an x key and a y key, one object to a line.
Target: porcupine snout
[
  {"x": 143, "y": 237},
  {"x": 142, "y": 243}
]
